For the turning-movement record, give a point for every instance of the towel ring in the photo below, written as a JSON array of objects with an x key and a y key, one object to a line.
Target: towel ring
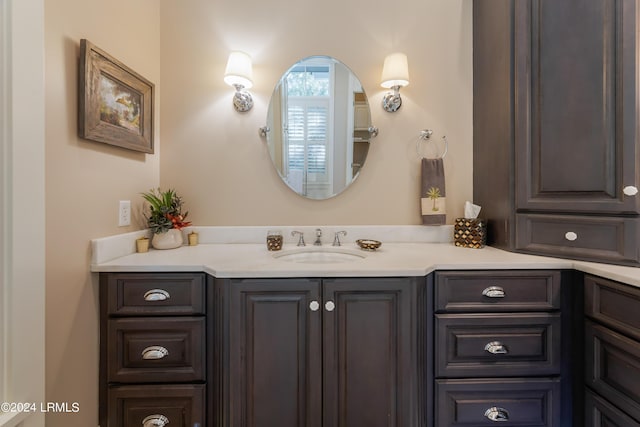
[{"x": 425, "y": 134}]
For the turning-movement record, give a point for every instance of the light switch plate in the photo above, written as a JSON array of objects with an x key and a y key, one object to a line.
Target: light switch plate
[{"x": 124, "y": 213}]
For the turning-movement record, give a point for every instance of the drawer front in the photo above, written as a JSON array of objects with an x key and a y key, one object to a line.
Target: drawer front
[
  {"x": 156, "y": 350},
  {"x": 614, "y": 304},
  {"x": 612, "y": 367},
  {"x": 600, "y": 413},
  {"x": 492, "y": 291},
  {"x": 175, "y": 405},
  {"x": 488, "y": 345},
  {"x": 601, "y": 239},
  {"x": 148, "y": 294},
  {"x": 527, "y": 402}
]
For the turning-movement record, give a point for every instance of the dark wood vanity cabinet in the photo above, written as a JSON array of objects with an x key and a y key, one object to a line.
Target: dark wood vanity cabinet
[
  {"x": 556, "y": 149},
  {"x": 502, "y": 348},
  {"x": 154, "y": 365},
  {"x": 322, "y": 352},
  {"x": 612, "y": 353}
]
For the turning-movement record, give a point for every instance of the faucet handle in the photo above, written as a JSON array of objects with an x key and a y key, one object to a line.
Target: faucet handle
[
  {"x": 301, "y": 238},
  {"x": 336, "y": 239}
]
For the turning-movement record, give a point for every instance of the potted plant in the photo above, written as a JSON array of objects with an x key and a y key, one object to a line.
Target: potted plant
[{"x": 165, "y": 219}]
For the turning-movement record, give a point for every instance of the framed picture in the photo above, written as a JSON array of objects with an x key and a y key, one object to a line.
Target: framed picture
[{"x": 115, "y": 103}]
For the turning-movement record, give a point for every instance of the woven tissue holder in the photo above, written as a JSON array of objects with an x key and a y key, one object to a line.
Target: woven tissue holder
[{"x": 470, "y": 232}]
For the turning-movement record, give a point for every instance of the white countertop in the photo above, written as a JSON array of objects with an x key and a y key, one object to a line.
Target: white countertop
[{"x": 247, "y": 259}]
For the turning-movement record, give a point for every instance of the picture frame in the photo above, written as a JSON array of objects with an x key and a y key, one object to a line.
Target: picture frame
[{"x": 115, "y": 103}]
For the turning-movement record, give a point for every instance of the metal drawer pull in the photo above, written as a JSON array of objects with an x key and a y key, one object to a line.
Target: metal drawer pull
[
  {"x": 630, "y": 190},
  {"x": 330, "y": 305},
  {"x": 496, "y": 347},
  {"x": 497, "y": 414},
  {"x": 494, "y": 292},
  {"x": 570, "y": 236},
  {"x": 314, "y": 305},
  {"x": 154, "y": 352},
  {"x": 156, "y": 295},
  {"x": 155, "y": 420}
]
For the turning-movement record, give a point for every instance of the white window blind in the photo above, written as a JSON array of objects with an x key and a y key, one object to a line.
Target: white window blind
[
  {"x": 307, "y": 117},
  {"x": 308, "y": 137}
]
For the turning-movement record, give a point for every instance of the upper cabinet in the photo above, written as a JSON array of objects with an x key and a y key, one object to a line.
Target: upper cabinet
[
  {"x": 576, "y": 114},
  {"x": 556, "y": 152}
]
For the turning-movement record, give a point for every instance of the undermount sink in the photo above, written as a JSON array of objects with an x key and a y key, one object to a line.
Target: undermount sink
[{"x": 320, "y": 255}]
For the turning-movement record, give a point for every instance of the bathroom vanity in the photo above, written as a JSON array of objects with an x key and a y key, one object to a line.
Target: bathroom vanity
[{"x": 414, "y": 334}]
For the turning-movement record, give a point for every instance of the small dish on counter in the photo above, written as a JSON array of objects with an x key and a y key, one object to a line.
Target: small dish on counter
[{"x": 368, "y": 244}]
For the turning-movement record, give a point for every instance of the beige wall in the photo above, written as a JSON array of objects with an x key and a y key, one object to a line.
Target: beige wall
[
  {"x": 84, "y": 182},
  {"x": 214, "y": 157}
]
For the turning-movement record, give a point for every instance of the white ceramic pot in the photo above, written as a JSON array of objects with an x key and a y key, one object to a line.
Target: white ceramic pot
[{"x": 168, "y": 240}]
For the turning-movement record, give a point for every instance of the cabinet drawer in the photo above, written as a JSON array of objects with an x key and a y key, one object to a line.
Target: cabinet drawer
[
  {"x": 180, "y": 405},
  {"x": 531, "y": 402},
  {"x": 601, "y": 239},
  {"x": 598, "y": 412},
  {"x": 614, "y": 304},
  {"x": 491, "y": 291},
  {"x": 146, "y": 294},
  {"x": 488, "y": 345},
  {"x": 612, "y": 364},
  {"x": 156, "y": 349}
]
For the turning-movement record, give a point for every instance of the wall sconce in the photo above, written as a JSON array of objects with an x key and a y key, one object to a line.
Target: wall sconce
[
  {"x": 239, "y": 74},
  {"x": 395, "y": 74}
]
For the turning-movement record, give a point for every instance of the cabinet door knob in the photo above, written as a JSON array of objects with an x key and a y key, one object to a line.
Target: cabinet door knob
[
  {"x": 156, "y": 295},
  {"x": 494, "y": 292},
  {"x": 154, "y": 352},
  {"x": 155, "y": 420},
  {"x": 330, "y": 305},
  {"x": 630, "y": 190},
  {"x": 314, "y": 305},
  {"x": 570, "y": 236},
  {"x": 496, "y": 347},
  {"x": 497, "y": 414}
]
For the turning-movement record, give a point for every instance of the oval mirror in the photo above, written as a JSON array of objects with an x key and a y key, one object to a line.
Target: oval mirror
[{"x": 318, "y": 127}]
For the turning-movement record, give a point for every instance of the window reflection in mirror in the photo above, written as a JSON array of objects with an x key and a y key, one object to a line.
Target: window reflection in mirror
[{"x": 318, "y": 119}]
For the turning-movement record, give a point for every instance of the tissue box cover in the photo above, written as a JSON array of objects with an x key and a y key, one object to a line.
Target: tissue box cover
[{"x": 470, "y": 232}]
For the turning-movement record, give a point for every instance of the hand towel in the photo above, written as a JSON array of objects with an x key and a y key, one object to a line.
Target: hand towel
[{"x": 432, "y": 194}]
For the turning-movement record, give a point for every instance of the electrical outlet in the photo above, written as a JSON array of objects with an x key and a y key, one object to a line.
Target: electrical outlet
[{"x": 124, "y": 213}]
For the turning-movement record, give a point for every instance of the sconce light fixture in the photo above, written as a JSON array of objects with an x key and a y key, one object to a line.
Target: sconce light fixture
[
  {"x": 239, "y": 74},
  {"x": 395, "y": 74}
]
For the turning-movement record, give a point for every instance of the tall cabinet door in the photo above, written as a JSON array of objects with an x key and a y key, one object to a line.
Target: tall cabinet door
[
  {"x": 368, "y": 341},
  {"x": 576, "y": 106},
  {"x": 275, "y": 353}
]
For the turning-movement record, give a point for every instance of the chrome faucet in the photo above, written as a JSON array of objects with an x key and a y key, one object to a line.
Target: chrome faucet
[
  {"x": 336, "y": 239},
  {"x": 300, "y": 239},
  {"x": 318, "y": 242}
]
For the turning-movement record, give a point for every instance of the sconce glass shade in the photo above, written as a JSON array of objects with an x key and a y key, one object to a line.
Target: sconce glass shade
[
  {"x": 239, "y": 74},
  {"x": 239, "y": 71},
  {"x": 395, "y": 74},
  {"x": 395, "y": 71}
]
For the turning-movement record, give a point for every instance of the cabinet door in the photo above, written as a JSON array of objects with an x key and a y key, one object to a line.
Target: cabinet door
[
  {"x": 367, "y": 349},
  {"x": 275, "y": 353},
  {"x": 600, "y": 413},
  {"x": 576, "y": 105},
  {"x": 612, "y": 363}
]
